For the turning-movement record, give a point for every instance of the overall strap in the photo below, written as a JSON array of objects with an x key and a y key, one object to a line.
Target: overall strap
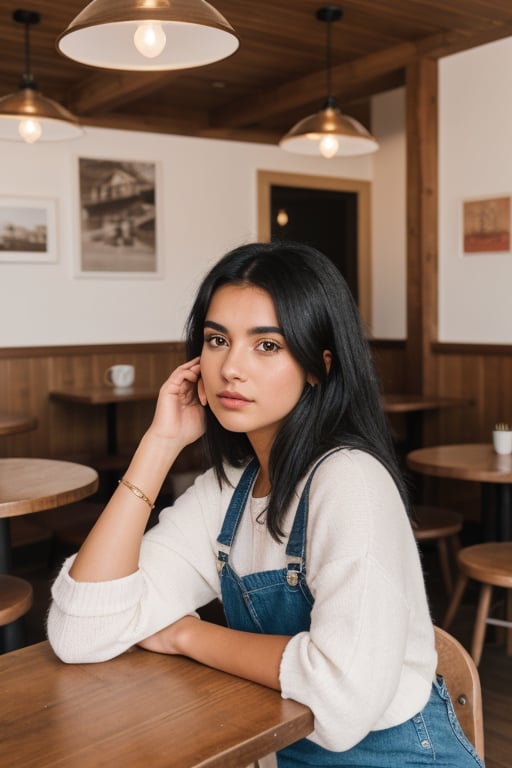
[
  {"x": 296, "y": 549},
  {"x": 234, "y": 512}
]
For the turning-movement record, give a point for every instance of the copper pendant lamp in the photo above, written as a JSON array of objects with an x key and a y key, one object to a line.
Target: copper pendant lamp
[
  {"x": 329, "y": 132},
  {"x": 148, "y": 35},
  {"x": 28, "y": 115}
]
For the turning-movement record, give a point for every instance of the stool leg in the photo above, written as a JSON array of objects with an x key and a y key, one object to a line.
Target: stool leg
[
  {"x": 442, "y": 553},
  {"x": 482, "y": 613},
  {"x": 458, "y": 592}
]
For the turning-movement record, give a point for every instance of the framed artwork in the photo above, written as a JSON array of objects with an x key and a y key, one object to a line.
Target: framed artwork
[
  {"x": 28, "y": 230},
  {"x": 486, "y": 225},
  {"x": 118, "y": 219}
]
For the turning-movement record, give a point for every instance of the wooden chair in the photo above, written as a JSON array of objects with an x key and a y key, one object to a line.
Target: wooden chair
[
  {"x": 463, "y": 683},
  {"x": 490, "y": 564},
  {"x": 16, "y": 596},
  {"x": 442, "y": 526}
]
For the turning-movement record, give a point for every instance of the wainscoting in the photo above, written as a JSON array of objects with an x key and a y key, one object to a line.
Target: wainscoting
[{"x": 480, "y": 373}]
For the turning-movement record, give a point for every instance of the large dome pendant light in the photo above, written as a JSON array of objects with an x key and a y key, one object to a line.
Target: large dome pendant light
[
  {"x": 329, "y": 132},
  {"x": 148, "y": 35},
  {"x": 28, "y": 115}
]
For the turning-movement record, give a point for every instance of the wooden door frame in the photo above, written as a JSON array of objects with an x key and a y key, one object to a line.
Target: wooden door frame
[{"x": 268, "y": 179}]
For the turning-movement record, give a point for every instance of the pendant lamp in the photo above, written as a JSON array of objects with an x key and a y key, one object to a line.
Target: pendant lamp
[
  {"x": 148, "y": 35},
  {"x": 28, "y": 115},
  {"x": 329, "y": 132}
]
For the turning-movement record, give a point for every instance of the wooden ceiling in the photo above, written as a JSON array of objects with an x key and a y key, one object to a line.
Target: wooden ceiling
[{"x": 277, "y": 75}]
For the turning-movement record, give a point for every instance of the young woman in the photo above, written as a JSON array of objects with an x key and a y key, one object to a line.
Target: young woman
[{"x": 300, "y": 526}]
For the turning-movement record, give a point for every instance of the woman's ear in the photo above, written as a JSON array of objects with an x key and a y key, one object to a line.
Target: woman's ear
[
  {"x": 200, "y": 392},
  {"x": 327, "y": 355}
]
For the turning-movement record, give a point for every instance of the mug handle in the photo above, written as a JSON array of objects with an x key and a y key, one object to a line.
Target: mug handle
[{"x": 107, "y": 376}]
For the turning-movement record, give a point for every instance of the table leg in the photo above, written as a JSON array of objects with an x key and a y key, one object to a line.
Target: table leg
[
  {"x": 12, "y": 635},
  {"x": 5, "y": 546},
  {"x": 112, "y": 429},
  {"x": 496, "y": 509},
  {"x": 488, "y": 507}
]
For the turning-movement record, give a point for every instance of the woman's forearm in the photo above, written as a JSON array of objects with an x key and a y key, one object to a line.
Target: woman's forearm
[
  {"x": 111, "y": 549},
  {"x": 245, "y": 654}
]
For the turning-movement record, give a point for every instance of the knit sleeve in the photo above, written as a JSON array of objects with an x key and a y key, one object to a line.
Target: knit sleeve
[
  {"x": 90, "y": 622},
  {"x": 368, "y": 659}
]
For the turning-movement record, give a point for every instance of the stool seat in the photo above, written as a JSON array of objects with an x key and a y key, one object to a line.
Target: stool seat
[
  {"x": 440, "y": 525},
  {"x": 491, "y": 565},
  {"x": 433, "y": 522},
  {"x": 16, "y": 597}
]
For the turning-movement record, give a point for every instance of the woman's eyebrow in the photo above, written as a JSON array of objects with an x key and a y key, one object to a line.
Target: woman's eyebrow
[{"x": 258, "y": 329}]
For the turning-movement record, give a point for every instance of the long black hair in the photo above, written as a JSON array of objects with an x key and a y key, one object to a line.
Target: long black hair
[{"x": 316, "y": 312}]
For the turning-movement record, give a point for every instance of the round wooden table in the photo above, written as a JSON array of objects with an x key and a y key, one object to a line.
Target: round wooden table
[
  {"x": 31, "y": 485},
  {"x": 476, "y": 462},
  {"x": 12, "y": 423}
]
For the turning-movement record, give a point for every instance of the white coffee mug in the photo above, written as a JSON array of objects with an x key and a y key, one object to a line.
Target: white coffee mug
[
  {"x": 120, "y": 375},
  {"x": 502, "y": 441}
]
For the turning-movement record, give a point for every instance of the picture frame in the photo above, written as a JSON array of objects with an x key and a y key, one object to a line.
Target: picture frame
[
  {"x": 486, "y": 225},
  {"x": 28, "y": 230},
  {"x": 119, "y": 221}
]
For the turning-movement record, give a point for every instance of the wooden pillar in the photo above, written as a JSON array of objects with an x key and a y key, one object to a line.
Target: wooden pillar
[{"x": 422, "y": 226}]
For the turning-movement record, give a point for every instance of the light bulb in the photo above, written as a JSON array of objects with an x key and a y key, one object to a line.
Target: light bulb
[
  {"x": 329, "y": 146},
  {"x": 30, "y": 130},
  {"x": 150, "y": 39},
  {"x": 282, "y": 218}
]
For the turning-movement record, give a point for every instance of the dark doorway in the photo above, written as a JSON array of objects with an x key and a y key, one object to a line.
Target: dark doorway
[{"x": 325, "y": 219}]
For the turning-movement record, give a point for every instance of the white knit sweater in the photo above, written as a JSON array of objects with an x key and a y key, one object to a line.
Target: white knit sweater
[{"x": 369, "y": 658}]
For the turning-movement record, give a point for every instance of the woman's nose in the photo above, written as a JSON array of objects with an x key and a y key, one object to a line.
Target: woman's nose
[{"x": 233, "y": 366}]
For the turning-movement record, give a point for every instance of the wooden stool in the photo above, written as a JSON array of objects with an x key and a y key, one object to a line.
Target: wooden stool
[
  {"x": 16, "y": 597},
  {"x": 491, "y": 564},
  {"x": 439, "y": 525}
]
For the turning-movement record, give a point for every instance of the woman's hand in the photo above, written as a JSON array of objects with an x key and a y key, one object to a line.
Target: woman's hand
[{"x": 179, "y": 414}]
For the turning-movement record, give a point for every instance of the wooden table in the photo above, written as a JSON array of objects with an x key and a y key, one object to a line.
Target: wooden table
[
  {"x": 140, "y": 710},
  {"x": 414, "y": 407},
  {"x": 12, "y": 423},
  {"x": 476, "y": 462},
  {"x": 31, "y": 485},
  {"x": 109, "y": 397}
]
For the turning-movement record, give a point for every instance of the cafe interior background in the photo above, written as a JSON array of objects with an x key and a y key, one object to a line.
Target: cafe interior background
[{"x": 438, "y": 318}]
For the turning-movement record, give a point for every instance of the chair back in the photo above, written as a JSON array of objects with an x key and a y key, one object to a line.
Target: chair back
[{"x": 461, "y": 676}]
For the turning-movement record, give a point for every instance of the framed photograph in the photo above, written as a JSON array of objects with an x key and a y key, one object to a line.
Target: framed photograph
[
  {"x": 118, "y": 219},
  {"x": 27, "y": 230},
  {"x": 486, "y": 225}
]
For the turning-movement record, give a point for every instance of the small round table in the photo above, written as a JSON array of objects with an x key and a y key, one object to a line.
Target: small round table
[
  {"x": 476, "y": 462},
  {"x": 32, "y": 485}
]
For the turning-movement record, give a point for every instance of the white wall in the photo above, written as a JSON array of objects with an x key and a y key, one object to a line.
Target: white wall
[
  {"x": 208, "y": 205},
  {"x": 475, "y": 161}
]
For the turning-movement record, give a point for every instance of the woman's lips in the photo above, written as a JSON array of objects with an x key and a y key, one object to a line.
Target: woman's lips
[{"x": 233, "y": 400}]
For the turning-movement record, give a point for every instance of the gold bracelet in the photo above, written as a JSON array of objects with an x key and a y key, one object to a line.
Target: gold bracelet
[{"x": 137, "y": 491}]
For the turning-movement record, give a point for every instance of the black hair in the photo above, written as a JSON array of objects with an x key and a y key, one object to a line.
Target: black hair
[{"x": 316, "y": 312}]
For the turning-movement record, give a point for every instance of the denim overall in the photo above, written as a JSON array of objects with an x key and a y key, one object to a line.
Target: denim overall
[{"x": 279, "y": 602}]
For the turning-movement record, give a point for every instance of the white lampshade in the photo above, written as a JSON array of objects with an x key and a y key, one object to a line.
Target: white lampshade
[{"x": 107, "y": 34}]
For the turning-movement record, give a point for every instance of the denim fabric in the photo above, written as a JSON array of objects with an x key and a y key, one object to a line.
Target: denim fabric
[{"x": 279, "y": 602}]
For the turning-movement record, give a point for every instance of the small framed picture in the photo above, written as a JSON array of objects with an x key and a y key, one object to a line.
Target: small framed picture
[
  {"x": 119, "y": 224},
  {"x": 486, "y": 225},
  {"x": 28, "y": 230}
]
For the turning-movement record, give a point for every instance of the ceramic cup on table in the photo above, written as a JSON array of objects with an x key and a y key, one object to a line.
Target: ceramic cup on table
[
  {"x": 120, "y": 376},
  {"x": 502, "y": 441}
]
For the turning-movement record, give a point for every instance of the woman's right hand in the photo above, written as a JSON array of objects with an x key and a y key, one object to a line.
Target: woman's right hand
[{"x": 179, "y": 414}]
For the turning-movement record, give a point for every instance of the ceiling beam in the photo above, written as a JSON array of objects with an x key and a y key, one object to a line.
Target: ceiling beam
[
  {"x": 102, "y": 90},
  {"x": 288, "y": 96}
]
